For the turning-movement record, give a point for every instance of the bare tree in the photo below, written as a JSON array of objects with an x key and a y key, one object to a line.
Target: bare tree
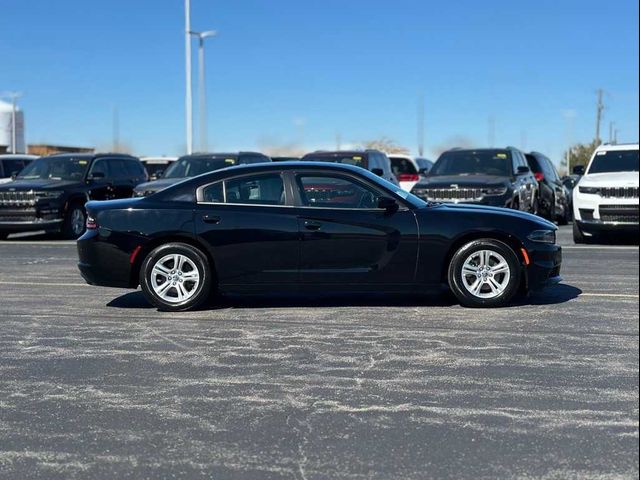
[{"x": 385, "y": 144}]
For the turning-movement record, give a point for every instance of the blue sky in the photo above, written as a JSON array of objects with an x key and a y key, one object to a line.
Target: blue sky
[{"x": 350, "y": 67}]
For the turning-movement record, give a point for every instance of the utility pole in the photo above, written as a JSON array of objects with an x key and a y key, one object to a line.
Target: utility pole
[
  {"x": 599, "y": 110},
  {"x": 611, "y": 129},
  {"x": 338, "y": 141},
  {"x": 188, "y": 95},
  {"x": 202, "y": 95},
  {"x": 421, "y": 126}
]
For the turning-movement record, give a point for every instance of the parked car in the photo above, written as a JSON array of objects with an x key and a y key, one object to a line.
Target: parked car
[
  {"x": 50, "y": 193},
  {"x": 553, "y": 202},
  {"x": 311, "y": 227},
  {"x": 155, "y": 166},
  {"x": 197, "y": 164},
  {"x": 498, "y": 177},
  {"x": 11, "y": 164},
  {"x": 408, "y": 170},
  {"x": 285, "y": 159},
  {"x": 606, "y": 197},
  {"x": 373, "y": 160}
]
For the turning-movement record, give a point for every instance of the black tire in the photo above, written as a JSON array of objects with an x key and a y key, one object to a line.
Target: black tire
[
  {"x": 578, "y": 236},
  {"x": 202, "y": 290},
  {"x": 456, "y": 282},
  {"x": 70, "y": 227},
  {"x": 564, "y": 218}
]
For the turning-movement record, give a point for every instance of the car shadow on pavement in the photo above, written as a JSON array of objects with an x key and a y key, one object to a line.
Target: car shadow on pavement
[{"x": 550, "y": 296}]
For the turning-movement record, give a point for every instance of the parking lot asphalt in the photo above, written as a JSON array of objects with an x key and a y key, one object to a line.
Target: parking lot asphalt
[{"x": 96, "y": 384}]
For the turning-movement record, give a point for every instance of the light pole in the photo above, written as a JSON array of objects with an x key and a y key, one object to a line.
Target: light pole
[
  {"x": 202, "y": 96},
  {"x": 188, "y": 94},
  {"x": 14, "y": 114}
]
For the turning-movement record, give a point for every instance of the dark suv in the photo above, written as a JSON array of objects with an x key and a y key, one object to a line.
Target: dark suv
[
  {"x": 197, "y": 164},
  {"x": 49, "y": 194},
  {"x": 373, "y": 160},
  {"x": 491, "y": 176},
  {"x": 11, "y": 164},
  {"x": 553, "y": 199}
]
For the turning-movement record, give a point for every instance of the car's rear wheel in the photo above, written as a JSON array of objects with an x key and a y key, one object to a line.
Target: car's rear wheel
[
  {"x": 484, "y": 273},
  {"x": 176, "y": 277},
  {"x": 74, "y": 222}
]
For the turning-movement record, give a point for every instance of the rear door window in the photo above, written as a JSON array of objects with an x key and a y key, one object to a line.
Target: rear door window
[{"x": 265, "y": 189}]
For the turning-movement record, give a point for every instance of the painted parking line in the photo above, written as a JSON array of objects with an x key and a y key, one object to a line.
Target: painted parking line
[
  {"x": 600, "y": 247},
  {"x": 613, "y": 295}
]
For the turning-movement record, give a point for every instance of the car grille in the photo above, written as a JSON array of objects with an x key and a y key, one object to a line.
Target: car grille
[
  {"x": 619, "y": 192},
  {"x": 619, "y": 213},
  {"x": 17, "y": 214},
  {"x": 448, "y": 194},
  {"x": 14, "y": 199}
]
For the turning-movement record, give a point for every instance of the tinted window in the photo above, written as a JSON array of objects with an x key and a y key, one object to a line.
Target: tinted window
[
  {"x": 12, "y": 166},
  {"x": 100, "y": 166},
  {"x": 56, "y": 168},
  {"x": 359, "y": 160},
  {"x": 133, "y": 168},
  {"x": 614, "y": 161},
  {"x": 534, "y": 164},
  {"x": 191, "y": 166},
  {"x": 335, "y": 192},
  {"x": 247, "y": 159},
  {"x": 400, "y": 165},
  {"x": 468, "y": 162},
  {"x": 118, "y": 169},
  {"x": 257, "y": 190}
]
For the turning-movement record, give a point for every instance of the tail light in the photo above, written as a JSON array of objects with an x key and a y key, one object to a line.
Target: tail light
[
  {"x": 408, "y": 177},
  {"x": 539, "y": 176},
  {"x": 91, "y": 223}
]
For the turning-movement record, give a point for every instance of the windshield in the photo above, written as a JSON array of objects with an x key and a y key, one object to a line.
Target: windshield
[
  {"x": 468, "y": 162},
  {"x": 193, "y": 166},
  {"x": 55, "y": 168},
  {"x": 356, "y": 160},
  {"x": 615, "y": 161}
]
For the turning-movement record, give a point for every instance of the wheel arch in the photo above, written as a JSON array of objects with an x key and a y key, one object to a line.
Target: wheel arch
[
  {"x": 510, "y": 240},
  {"x": 174, "y": 238}
]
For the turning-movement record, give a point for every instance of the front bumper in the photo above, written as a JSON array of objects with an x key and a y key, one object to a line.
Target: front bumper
[
  {"x": 30, "y": 225},
  {"x": 598, "y": 226},
  {"x": 544, "y": 268}
]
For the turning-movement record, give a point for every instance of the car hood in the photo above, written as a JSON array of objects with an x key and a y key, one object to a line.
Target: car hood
[
  {"x": 157, "y": 185},
  {"x": 491, "y": 211},
  {"x": 26, "y": 185},
  {"x": 462, "y": 181},
  {"x": 613, "y": 179}
]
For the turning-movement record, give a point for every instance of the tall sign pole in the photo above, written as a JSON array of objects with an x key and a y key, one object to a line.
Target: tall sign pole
[{"x": 188, "y": 96}]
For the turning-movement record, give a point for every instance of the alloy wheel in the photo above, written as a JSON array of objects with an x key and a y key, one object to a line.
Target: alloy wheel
[
  {"x": 485, "y": 274},
  {"x": 175, "y": 278}
]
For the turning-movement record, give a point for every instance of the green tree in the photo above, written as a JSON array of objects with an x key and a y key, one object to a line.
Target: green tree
[{"x": 580, "y": 154}]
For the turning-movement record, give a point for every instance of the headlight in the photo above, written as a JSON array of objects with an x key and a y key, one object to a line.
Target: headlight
[
  {"x": 48, "y": 194},
  {"x": 494, "y": 191},
  {"x": 589, "y": 190},
  {"x": 543, "y": 236}
]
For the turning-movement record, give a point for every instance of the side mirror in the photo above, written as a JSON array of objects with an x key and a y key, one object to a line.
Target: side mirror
[
  {"x": 95, "y": 176},
  {"x": 389, "y": 204},
  {"x": 14, "y": 175},
  {"x": 578, "y": 170},
  {"x": 523, "y": 170},
  {"x": 377, "y": 171}
]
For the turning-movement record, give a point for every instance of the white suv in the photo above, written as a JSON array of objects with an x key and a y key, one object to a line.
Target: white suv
[{"x": 606, "y": 197}]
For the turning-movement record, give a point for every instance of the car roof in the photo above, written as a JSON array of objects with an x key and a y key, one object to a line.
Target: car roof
[
  {"x": 335, "y": 153},
  {"x": 89, "y": 156},
  {"x": 8, "y": 156},
  {"x": 617, "y": 147}
]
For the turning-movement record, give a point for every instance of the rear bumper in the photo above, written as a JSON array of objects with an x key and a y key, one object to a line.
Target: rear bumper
[
  {"x": 104, "y": 263},
  {"x": 544, "y": 269}
]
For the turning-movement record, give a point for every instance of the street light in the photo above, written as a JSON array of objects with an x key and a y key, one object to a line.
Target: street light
[
  {"x": 202, "y": 96},
  {"x": 188, "y": 96},
  {"x": 14, "y": 109}
]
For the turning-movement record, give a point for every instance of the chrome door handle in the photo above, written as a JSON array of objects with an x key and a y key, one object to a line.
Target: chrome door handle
[{"x": 213, "y": 219}]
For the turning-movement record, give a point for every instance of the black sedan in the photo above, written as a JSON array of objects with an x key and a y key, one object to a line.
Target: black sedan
[{"x": 305, "y": 227}]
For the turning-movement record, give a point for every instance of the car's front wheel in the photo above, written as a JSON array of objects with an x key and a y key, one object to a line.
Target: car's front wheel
[
  {"x": 74, "y": 222},
  {"x": 484, "y": 273},
  {"x": 176, "y": 277}
]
